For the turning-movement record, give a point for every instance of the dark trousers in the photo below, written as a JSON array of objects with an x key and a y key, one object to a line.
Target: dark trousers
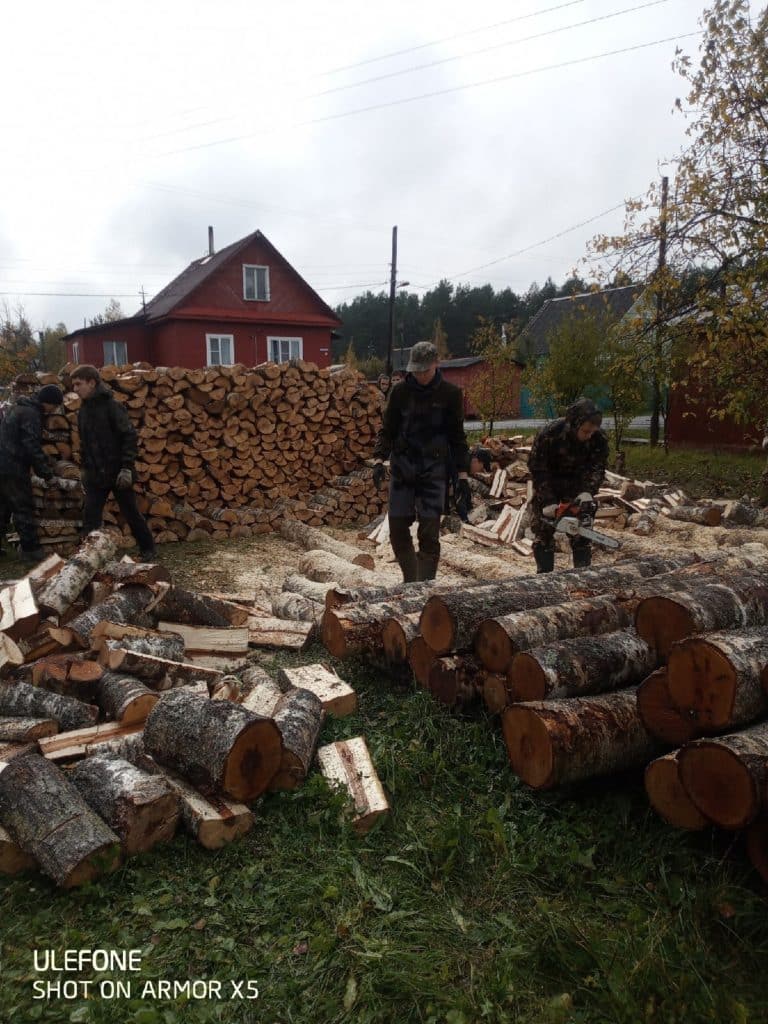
[
  {"x": 16, "y": 501},
  {"x": 421, "y": 565},
  {"x": 96, "y": 499}
]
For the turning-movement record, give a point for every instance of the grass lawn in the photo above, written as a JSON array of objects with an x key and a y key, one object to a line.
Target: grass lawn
[{"x": 477, "y": 900}]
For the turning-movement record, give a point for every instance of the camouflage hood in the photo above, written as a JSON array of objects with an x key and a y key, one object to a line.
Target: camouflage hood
[{"x": 583, "y": 410}]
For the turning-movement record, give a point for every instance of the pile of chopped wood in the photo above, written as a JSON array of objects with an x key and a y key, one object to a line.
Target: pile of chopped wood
[{"x": 129, "y": 706}]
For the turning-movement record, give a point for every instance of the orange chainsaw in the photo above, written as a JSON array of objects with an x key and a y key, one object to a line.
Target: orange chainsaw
[{"x": 575, "y": 519}]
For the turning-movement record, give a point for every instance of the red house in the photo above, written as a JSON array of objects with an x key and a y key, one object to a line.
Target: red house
[{"x": 245, "y": 304}]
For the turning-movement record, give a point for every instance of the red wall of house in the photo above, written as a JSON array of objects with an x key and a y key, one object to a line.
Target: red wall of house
[
  {"x": 690, "y": 425},
  {"x": 463, "y": 377},
  {"x": 92, "y": 344},
  {"x": 182, "y": 342}
]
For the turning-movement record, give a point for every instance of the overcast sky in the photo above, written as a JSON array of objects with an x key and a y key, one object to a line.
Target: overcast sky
[{"x": 479, "y": 129}]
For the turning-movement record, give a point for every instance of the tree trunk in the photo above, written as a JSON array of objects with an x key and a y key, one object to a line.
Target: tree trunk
[
  {"x": 219, "y": 746},
  {"x": 168, "y": 646},
  {"x": 324, "y": 567},
  {"x": 498, "y": 640},
  {"x": 25, "y": 730},
  {"x": 726, "y": 777},
  {"x": 143, "y": 810},
  {"x": 124, "y": 699},
  {"x": 299, "y": 717},
  {"x": 704, "y": 515},
  {"x": 581, "y": 665},
  {"x": 449, "y": 621},
  {"x": 124, "y": 605},
  {"x": 63, "y": 589},
  {"x": 309, "y": 589},
  {"x": 716, "y": 679},
  {"x": 312, "y": 539},
  {"x": 667, "y": 795},
  {"x": 45, "y": 814},
  {"x": 659, "y": 715},
  {"x": 356, "y": 628},
  {"x": 297, "y": 608},
  {"x": 732, "y": 602},
  {"x": 396, "y": 636},
  {"x": 553, "y": 742},
  {"x": 21, "y": 699},
  {"x": 456, "y": 681}
]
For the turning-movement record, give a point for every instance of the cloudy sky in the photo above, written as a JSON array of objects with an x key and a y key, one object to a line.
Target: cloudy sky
[{"x": 479, "y": 129}]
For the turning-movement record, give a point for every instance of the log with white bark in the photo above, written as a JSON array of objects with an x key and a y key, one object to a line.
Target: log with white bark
[
  {"x": 63, "y": 589},
  {"x": 125, "y": 605},
  {"x": 124, "y": 698},
  {"x": 299, "y": 716},
  {"x": 12, "y": 858},
  {"x": 733, "y": 601},
  {"x": 726, "y": 777},
  {"x": 312, "y": 539},
  {"x": 219, "y": 746},
  {"x": 498, "y": 640},
  {"x": 740, "y": 514},
  {"x": 71, "y": 674},
  {"x": 347, "y": 765},
  {"x": 668, "y": 796},
  {"x": 661, "y": 717},
  {"x": 19, "y": 615},
  {"x": 300, "y": 609},
  {"x": 266, "y": 631},
  {"x": 716, "y": 679},
  {"x": 324, "y": 567},
  {"x": 168, "y": 646},
  {"x": 25, "y": 730},
  {"x": 261, "y": 692},
  {"x": 558, "y": 741},
  {"x": 644, "y": 522},
  {"x": 310, "y": 589},
  {"x": 21, "y": 699},
  {"x": 421, "y": 658},
  {"x": 581, "y": 665},
  {"x": 397, "y": 633},
  {"x": 337, "y": 697},
  {"x": 195, "y": 609},
  {"x": 472, "y": 564},
  {"x": 142, "y": 809},
  {"x": 456, "y": 680},
  {"x": 45, "y": 814},
  {"x": 702, "y": 515}
]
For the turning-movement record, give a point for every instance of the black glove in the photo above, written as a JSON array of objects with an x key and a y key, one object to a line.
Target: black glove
[
  {"x": 463, "y": 497},
  {"x": 379, "y": 474}
]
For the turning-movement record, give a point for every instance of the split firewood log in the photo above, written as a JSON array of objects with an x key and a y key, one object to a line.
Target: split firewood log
[
  {"x": 123, "y": 606},
  {"x": 21, "y": 699},
  {"x": 10, "y": 654},
  {"x": 660, "y": 716},
  {"x": 26, "y": 730},
  {"x": 299, "y": 716},
  {"x": 456, "y": 681},
  {"x": 45, "y": 814},
  {"x": 668, "y": 796},
  {"x": 311, "y": 539},
  {"x": 142, "y": 809},
  {"x": 324, "y": 567},
  {"x": 63, "y": 589},
  {"x": 553, "y": 742},
  {"x": 72, "y": 675},
  {"x": 77, "y": 743},
  {"x": 726, "y": 777},
  {"x": 261, "y": 693},
  {"x": 337, "y": 697},
  {"x": 124, "y": 698},
  {"x": 168, "y": 646},
  {"x": 267, "y": 631},
  {"x": 581, "y": 665},
  {"x": 219, "y": 746},
  {"x": 716, "y": 679},
  {"x": 347, "y": 765},
  {"x": 12, "y": 858},
  {"x": 19, "y": 614},
  {"x": 644, "y": 522},
  {"x": 730, "y": 602},
  {"x": 209, "y": 639},
  {"x": 195, "y": 609}
]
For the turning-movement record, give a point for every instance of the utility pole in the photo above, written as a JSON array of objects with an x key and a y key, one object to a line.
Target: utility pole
[
  {"x": 658, "y": 340},
  {"x": 392, "y": 287}
]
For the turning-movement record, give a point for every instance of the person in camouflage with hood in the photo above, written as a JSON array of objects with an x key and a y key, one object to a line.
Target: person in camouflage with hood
[
  {"x": 21, "y": 450},
  {"x": 567, "y": 463}
]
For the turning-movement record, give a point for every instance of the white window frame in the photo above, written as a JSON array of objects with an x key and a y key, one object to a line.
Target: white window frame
[
  {"x": 254, "y": 267},
  {"x": 75, "y": 351},
  {"x": 218, "y": 338},
  {"x": 112, "y": 359},
  {"x": 275, "y": 348}
]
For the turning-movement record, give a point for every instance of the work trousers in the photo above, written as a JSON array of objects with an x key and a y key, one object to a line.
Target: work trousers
[
  {"x": 16, "y": 501},
  {"x": 421, "y": 564},
  {"x": 96, "y": 499},
  {"x": 543, "y": 530}
]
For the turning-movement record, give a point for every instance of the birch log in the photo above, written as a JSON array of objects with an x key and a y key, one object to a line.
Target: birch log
[
  {"x": 194, "y": 609},
  {"x": 311, "y": 538},
  {"x": 300, "y": 609},
  {"x": 323, "y": 567},
  {"x": 143, "y": 810},
  {"x": 219, "y": 746},
  {"x": 12, "y": 858},
  {"x": 299, "y": 717},
  {"x": 26, "y": 730},
  {"x": 124, "y": 699},
  {"x": 702, "y": 515},
  {"x": 124, "y": 605},
  {"x": 23, "y": 699},
  {"x": 397, "y": 633},
  {"x": 310, "y": 589},
  {"x": 456, "y": 681},
  {"x": 169, "y": 646},
  {"x": 553, "y": 742},
  {"x": 45, "y": 814},
  {"x": 668, "y": 796},
  {"x": 62, "y": 590}
]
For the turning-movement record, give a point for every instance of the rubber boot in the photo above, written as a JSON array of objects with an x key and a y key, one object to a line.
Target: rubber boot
[
  {"x": 429, "y": 548},
  {"x": 402, "y": 545},
  {"x": 545, "y": 558},
  {"x": 582, "y": 556}
]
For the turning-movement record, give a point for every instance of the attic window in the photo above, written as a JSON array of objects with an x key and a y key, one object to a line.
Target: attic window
[{"x": 255, "y": 283}]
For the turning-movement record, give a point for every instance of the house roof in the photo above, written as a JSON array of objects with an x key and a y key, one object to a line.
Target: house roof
[
  {"x": 612, "y": 302},
  {"x": 457, "y": 364}
]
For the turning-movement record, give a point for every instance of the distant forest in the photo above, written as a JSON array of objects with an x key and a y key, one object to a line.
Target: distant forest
[{"x": 366, "y": 317}]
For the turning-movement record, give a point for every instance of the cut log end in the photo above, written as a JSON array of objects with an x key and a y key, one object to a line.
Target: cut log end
[
  {"x": 529, "y": 746},
  {"x": 492, "y": 646},
  {"x": 661, "y": 622},
  {"x": 702, "y": 679},
  {"x": 668, "y": 796},
  {"x": 495, "y": 693},
  {"x": 100, "y": 862},
  {"x": 437, "y": 626},
  {"x": 332, "y": 635},
  {"x": 395, "y": 642},
  {"x": 719, "y": 785},
  {"x": 659, "y": 715},
  {"x": 251, "y": 762},
  {"x": 526, "y": 678}
]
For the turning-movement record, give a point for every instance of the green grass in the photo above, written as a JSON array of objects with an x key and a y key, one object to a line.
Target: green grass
[{"x": 475, "y": 901}]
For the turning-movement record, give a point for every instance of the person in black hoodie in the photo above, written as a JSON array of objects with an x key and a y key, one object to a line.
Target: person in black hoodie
[
  {"x": 423, "y": 436},
  {"x": 108, "y": 450},
  {"x": 21, "y": 450}
]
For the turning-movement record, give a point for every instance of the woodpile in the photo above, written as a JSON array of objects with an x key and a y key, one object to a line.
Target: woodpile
[{"x": 114, "y": 729}]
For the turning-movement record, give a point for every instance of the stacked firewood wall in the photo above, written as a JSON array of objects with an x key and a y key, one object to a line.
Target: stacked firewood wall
[{"x": 227, "y": 451}]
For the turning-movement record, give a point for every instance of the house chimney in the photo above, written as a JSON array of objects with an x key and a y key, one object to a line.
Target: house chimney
[{"x": 210, "y": 240}]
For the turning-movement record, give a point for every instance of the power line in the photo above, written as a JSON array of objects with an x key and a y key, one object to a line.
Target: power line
[
  {"x": 487, "y": 49},
  {"x": 437, "y": 92}
]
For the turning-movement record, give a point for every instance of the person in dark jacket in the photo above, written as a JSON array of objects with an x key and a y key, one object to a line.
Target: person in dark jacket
[
  {"x": 108, "y": 451},
  {"x": 423, "y": 436},
  {"x": 567, "y": 463},
  {"x": 21, "y": 450}
]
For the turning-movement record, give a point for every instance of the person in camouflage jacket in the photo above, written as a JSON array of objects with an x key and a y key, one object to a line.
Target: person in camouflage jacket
[
  {"x": 567, "y": 461},
  {"x": 21, "y": 450}
]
